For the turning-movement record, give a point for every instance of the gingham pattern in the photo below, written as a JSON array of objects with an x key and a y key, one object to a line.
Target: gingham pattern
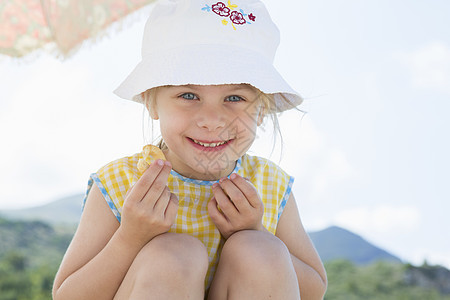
[{"x": 272, "y": 183}]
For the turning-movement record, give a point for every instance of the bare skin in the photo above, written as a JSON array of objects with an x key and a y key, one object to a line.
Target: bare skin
[
  {"x": 103, "y": 250},
  {"x": 254, "y": 265},
  {"x": 139, "y": 259},
  {"x": 251, "y": 259},
  {"x": 171, "y": 266}
]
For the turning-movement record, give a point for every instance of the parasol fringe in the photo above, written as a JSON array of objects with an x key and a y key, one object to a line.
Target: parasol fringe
[
  {"x": 95, "y": 36},
  {"x": 108, "y": 32}
]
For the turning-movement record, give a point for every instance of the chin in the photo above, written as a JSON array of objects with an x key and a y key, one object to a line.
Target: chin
[{"x": 214, "y": 169}]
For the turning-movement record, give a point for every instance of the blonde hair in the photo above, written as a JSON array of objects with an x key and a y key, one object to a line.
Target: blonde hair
[{"x": 267, "y": 101}]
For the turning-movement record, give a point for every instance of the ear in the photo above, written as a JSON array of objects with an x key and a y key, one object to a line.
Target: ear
[
  {"x": 152, "y": 110},
  {"x": 261, "y": 115},
  {"x": 154, "y": 114}
]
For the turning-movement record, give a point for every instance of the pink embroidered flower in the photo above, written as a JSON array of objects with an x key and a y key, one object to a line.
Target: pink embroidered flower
[
  {"x": 221, "y": 9},
  {"x": 252, "y": 17},
  {"x": 237, "y": 18}
]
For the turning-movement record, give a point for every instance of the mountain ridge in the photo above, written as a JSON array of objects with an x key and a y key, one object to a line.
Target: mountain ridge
[
  {"x": 338, "y": 243},
  {"x": 66, "y": 210},
  {"x": 331, "y": 243}
]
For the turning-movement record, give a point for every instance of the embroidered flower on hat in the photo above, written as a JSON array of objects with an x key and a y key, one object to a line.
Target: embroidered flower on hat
[
  {"x": 237, "y": 18},
  {"x": 221, "y": 9},
  {"x": 229, "y": 13}
]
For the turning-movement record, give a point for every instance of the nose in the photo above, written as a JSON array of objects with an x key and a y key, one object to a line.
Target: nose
[{"x": 211, "y": 117}]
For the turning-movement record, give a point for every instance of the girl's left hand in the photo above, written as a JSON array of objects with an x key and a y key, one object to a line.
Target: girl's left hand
[{"x": 240, "y": 205}]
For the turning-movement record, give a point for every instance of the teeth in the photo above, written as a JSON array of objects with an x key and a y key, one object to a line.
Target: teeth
[{"x": 208, "y": 145}]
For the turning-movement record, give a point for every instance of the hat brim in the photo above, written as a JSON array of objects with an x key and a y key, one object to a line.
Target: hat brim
[{"x": 208, "y": 65}]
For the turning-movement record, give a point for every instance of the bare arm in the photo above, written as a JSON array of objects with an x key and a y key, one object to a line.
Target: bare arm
[
  {"x": 97, "y": 258},
  {"x": 311, "y": 274},
  {"x": 102, "y": 250}
]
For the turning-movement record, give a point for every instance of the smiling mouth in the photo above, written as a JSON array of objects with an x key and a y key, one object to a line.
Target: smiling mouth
[{"x": 210, "y": 145}]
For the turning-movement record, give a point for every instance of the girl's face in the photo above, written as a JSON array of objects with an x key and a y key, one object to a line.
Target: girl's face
[{"x": 207, "y": 127}]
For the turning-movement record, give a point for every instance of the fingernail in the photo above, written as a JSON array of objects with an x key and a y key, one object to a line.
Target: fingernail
[
  {"x": 160, "y": 162},
  {"x": 233, "y": 176},
  {"x": 167, "y": 163}
]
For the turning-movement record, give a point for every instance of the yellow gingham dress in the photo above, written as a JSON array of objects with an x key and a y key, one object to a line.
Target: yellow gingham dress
[{"x": 272, "y": 183}]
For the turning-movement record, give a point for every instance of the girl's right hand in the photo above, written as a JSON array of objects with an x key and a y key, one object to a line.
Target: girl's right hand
[{"x": 149, "y": 208}]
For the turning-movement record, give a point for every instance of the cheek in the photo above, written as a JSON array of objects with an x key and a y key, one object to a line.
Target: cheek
[
  {"x": 255, "y": 113},
  {"x": 172, "y": 125},
  {"x": 168, "y": 127},
  {"x": 249, "y": 121},
  {"x": 245, "y": 132}
]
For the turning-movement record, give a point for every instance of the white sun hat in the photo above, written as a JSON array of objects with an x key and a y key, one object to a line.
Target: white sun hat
[{"x": 209, "y": 43}]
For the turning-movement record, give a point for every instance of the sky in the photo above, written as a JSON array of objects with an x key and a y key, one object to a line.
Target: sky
[{"x": 370, "y": 154}]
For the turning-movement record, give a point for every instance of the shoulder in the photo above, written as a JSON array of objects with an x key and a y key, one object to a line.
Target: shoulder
[
  {"x": 273, "y": 184},
  {"x": 259, "y": 166},
  {"x": 267, "y": 176},
  {"x": 119, "y": 175},
  {"x": 115, "y": 179},
  {"x": 123, "y": 166}
]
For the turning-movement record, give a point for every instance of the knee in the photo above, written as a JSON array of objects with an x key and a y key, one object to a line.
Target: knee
[
  {"x": 174, "y": 255},
  {"x": 254, "y": 251}
]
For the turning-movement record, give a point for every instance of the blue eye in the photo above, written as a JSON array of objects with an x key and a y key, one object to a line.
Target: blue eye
[
  {"x": 234, "y": 98},
  {"x": 189, "y": 96}
]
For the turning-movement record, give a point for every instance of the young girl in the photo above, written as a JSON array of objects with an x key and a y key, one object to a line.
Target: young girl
[{"x": 209, "y": 221}]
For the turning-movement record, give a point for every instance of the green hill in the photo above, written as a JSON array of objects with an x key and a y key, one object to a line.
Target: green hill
[
  {"x": 39, "y": 242},
  {"x": 331, "y": 243},
  {"x": 338, "y": 243},
  {"x": 30, "y": 252},
  {"x": 386, "y": 281}
]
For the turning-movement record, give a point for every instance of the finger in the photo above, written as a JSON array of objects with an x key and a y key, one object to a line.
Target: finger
[
  {"x": 235, "y": 195},
  {"x": 247, "y": 189},
  {"x": 129, "y": 191},
  {"x": 140, "y": 189},
  {"x": 158, "y": 186},
  {"x": 216, "y": 216},
  {"x": 225, "y": 204},
  {"x": 162, "y": 201},
  {"x": 172, "y": 208}
]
